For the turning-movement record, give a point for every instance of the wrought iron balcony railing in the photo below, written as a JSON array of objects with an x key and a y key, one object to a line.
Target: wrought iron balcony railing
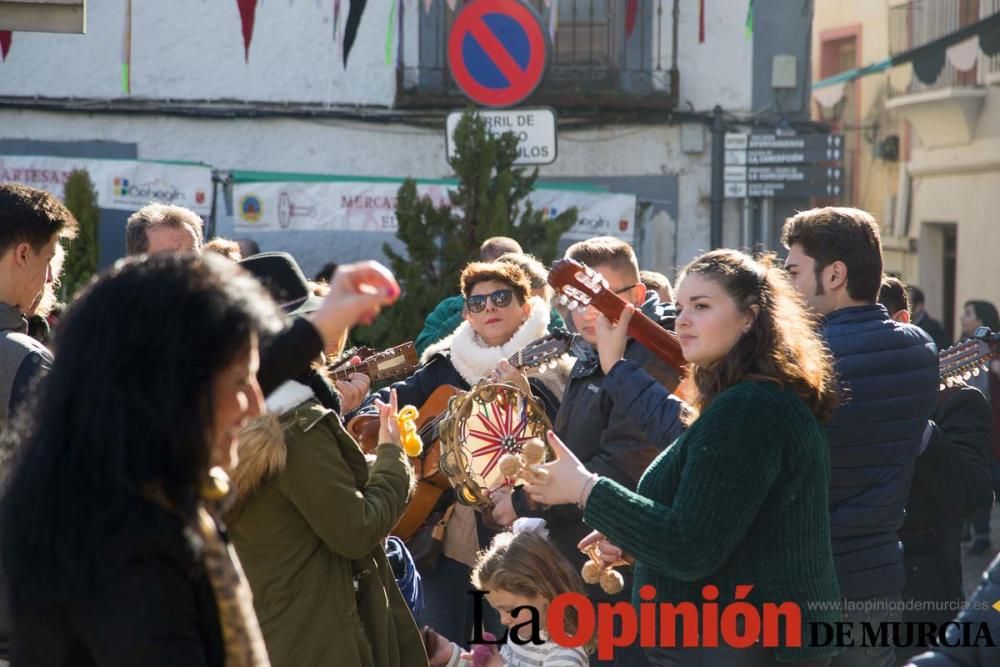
[{"x": 606, "y": 54}]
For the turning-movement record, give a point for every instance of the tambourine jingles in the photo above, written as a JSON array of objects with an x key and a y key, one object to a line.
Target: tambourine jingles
[{"x": 482, "y": 425}]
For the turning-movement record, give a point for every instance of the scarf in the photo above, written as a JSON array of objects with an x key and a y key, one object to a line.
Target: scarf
[{"x": 474, "y": 359}]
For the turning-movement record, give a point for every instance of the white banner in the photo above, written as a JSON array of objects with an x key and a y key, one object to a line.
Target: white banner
[
  {"x": 371, "y": 207},
  {"x": 125, "y": 185}
]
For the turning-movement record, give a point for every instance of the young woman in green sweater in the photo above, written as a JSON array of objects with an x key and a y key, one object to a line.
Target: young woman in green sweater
[{"x": 740, "y": 499}]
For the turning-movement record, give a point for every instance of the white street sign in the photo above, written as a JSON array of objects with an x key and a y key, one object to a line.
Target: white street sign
[
  {"x": 735, "y": 141},
  {"x": 534, "y": 128}
]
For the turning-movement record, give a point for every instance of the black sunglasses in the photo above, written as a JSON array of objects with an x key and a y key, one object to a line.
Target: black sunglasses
[{"x": 501, "y": 299}]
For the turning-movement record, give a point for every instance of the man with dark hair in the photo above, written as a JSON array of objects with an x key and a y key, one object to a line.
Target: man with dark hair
[
  {"x": 31, "y": 224},
  {"x": 920, "y": 318},
  {"x": 163, "y": 228},
  {"x": 951, "y": 482},
  {"x": 496, "y": 246},
  {"x": 888, "y": 374}
]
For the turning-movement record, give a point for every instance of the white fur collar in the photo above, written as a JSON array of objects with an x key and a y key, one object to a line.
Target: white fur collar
[
  {"x": 474, "y": 360},
  {"x": 288, "y": 396}
]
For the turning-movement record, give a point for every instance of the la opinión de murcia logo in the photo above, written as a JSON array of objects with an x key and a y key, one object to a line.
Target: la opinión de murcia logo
[{"x": 709, "y": 624}]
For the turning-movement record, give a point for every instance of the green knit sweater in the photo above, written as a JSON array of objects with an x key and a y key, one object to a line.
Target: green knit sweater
[{"x": 739, "y": 499}]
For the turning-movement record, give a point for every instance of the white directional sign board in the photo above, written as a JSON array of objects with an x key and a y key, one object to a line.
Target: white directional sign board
[{"x": 534, "y": 128}]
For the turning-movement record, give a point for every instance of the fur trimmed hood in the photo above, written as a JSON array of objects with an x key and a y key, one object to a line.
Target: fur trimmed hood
[
  {"x": 262, "y": 450},
  {"x": 474, "y": 360}
]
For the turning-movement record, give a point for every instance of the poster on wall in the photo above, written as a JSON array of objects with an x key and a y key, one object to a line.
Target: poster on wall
[
  {"x": 124, "y": 185},
  {"x": 370, "y": 206}
]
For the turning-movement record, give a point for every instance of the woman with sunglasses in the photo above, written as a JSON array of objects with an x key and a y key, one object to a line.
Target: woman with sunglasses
[{"x": 500, "y": 319}]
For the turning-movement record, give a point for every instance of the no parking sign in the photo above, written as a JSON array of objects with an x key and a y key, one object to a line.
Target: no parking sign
[{"x": 497, "y": 52}]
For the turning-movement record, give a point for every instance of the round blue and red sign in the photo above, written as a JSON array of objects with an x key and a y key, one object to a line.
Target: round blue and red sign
[{"x": 497, "y": 51}]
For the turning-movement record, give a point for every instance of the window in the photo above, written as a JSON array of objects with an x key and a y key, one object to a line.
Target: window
[{"x": 599, "y": 50}]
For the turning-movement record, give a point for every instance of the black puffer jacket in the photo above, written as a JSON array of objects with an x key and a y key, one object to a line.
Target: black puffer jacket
[
  {"x": 888, "y": 374},
  {"x": 951, "y": 481},
  {"x": 595, "y": 425}
]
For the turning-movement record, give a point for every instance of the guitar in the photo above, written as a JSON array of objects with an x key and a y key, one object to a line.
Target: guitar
[
  {"x": 580, "y": 286},
  {"x": 396, "y": 362},
  {"x": 968, "y": 358},
  {"x": 431, "y": 480}
]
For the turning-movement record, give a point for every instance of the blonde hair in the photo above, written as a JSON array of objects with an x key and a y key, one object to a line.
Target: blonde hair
[{"x": 530, "y": 565}]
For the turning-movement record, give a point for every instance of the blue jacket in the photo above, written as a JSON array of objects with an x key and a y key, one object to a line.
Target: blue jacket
[{"x": 888, "y": 377}]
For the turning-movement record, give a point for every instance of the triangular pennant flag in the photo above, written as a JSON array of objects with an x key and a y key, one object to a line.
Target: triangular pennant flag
[
  {"x": 427, "y": 5},
  {"x": 351, "y": 29},
  {"x": 451, "y": 4},
  {"x": 989, "y": 41},
  {"x": 248, "y": 10},
  {"x": 336, "y": 21},
  {"x": 928, "y": 66},
  {"x": 5, "y": 37},
  {"x": 631, "y": 12},
  {"x": 553, "y": 21},
  {"x": 829, "y": 96},
  {"x": 749, "y": 23},
  {"x": 701, "y": 21},
  {"x": 964, "y": 55},
  {"x": 127, "y": 51}
]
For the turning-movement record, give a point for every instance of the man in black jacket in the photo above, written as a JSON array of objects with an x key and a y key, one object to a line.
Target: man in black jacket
[
  {"x": 951, "y": 481},
  {"x": 888, "y": 376},
  {"x": 601, "y": 436}
]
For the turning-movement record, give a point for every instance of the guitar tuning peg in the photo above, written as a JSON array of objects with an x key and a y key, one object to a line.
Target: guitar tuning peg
[
  {"x": 564, "y": 300},
  {"x": 967, "y": 375},
  {"x": 975, "y": 371},
  {"x": 941, "y": 387},
  {"x": 950, "y": 382},
  {"x": 572, "y": 305}
]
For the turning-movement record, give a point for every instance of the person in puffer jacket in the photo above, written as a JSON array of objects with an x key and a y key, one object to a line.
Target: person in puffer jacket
[{"x": 888, "y": 377}]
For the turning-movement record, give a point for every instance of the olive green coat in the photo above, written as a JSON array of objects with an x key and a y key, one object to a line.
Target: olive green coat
[{"x": 310, "y": 520}]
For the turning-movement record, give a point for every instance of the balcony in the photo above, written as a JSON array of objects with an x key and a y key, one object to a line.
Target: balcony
[
  {"x": 942, "y": 99},
  {"x": 600, "y": 58}
]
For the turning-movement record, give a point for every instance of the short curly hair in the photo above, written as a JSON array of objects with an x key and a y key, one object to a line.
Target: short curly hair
[
  {"x": 33, "y": 216},
  {"x": 510, "y": 274}
]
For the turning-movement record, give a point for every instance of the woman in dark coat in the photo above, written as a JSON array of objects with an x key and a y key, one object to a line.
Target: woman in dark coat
[{"x": 111, "y": 549}]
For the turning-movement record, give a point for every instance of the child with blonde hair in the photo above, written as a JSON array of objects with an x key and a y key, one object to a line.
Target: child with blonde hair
[{"x": 520, "y": 569}]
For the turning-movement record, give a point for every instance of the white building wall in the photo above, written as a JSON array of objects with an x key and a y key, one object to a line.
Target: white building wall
[{"x": 193, "y": 50}]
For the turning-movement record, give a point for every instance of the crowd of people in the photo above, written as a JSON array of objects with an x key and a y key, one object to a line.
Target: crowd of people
[{"x": 184, "y": 483}]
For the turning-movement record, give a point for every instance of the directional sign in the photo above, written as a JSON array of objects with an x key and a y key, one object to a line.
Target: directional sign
[
  {"x": 777, "y": 165},
  {"x": 798, "y": 142},
  {"x": 497, "y": 51},
  {"x": 797, "y": 190},
  {"x": 805, "y": 156},
  {"x": 535, "y": 130},
  {"x": 795, "y": 174}
]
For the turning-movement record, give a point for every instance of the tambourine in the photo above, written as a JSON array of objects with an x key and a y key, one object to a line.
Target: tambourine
[{"x": 481, "y": 427}]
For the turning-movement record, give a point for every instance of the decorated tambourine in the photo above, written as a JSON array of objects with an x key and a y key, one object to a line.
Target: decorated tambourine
[{"x": 483, "y": 426}]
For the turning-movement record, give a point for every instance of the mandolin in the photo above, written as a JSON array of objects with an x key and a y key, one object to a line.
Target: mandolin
[
  {"x": 396, "y": 362},
  {"x": 580, "y": 286},
  {"x": 968, "y": 358}
]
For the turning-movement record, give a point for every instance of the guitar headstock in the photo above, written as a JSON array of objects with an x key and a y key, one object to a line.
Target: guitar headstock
[
  {"x": 968, "y": 358},
  {"x": 577, "y": 284},
  {"x": 544, "y": 352},
  {"x": 392, "y": 363}
]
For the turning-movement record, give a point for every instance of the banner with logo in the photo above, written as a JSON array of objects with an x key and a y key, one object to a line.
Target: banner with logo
[
  {"x": 370, "y": 206},
  {"x": 124, "y": 185}
]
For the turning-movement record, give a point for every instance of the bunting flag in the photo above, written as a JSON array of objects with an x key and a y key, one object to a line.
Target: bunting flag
[
  {"x": 451, "y": 4},
  {"x": 631, "y": 12},
  {"x": 336, "y": 21},
  {"x": 5, "y": 37},
  {"x": 353, "y": 21},
  {"x": 248, "y": 10},
  {"x": 427, "y": 6},
  {"x": 965, "y": 55},
  {"x": 127, "y": 51},
  {"x": 701, "y": 21},
  {"x": 553, "y": 21},
  {"x": 391, "y": 31},
  {"x": 749, "y": 23}
]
